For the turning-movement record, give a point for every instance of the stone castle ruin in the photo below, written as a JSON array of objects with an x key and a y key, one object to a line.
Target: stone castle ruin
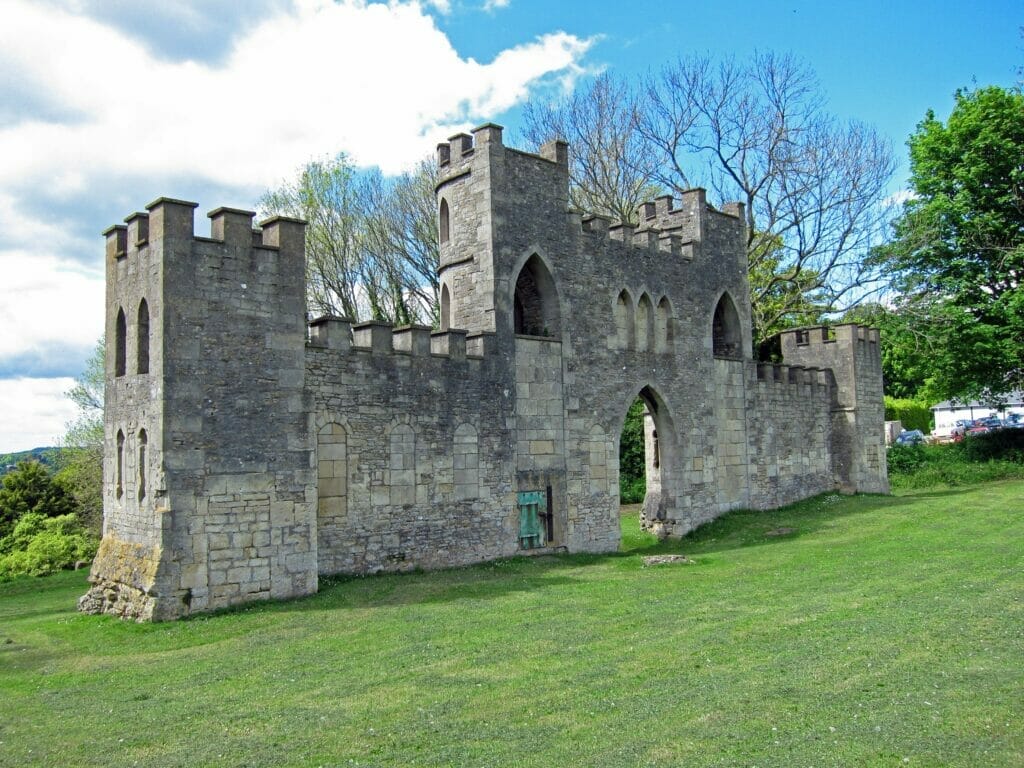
[{"x": 247, "y": 452}]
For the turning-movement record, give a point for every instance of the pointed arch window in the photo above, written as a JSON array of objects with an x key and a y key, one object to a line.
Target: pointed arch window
[
  {"x": 535, "y": 304},
  {"x": 624, "y": 332},
  {"x": 120, "y": 343},
  {"x": 142, "y": 349},
  {"x": 443, "y": 224},
  {"x": 726, "y": 334},
  {"x": 663, "y": 332},
  {"x": 644, "y": 323}
]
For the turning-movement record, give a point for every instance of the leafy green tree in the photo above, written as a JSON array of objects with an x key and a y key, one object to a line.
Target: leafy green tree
[
  {"x": 328, "y": 194},
  {"x": 41, "y": 545},
  {"x": 30, "y": 488},
  {"x": 780, "y": 298},
  {"x": 632, "y": 461},
  {"x": 957, "y": 257},
  {"x": 82, "y": 452},
  {"x": 906, "y": 351}
]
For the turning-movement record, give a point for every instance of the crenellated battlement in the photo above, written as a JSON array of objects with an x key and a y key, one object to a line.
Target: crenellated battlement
[
  {"x": 376, "y": 337},
  {"x": 664, "y": 227},
  {"x": 820, "y": 335},
  {"x": 458, "y": 151},
  {"x": 167, "y": 219},
  {"x": 600, "y": 227},
  {"x": 780, "y": 373},
  {"x": 794, "y": 381}
]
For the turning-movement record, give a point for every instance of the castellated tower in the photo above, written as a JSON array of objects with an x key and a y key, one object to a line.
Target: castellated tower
[
  {"x": 208, "y": 491},
  {"x": 854, "y": 356}
]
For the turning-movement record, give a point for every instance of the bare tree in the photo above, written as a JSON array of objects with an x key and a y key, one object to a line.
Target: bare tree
[
  {"x": 814, "y": 188},
  {"x": 402, "y": 233},
  {"x": 612, "y": 167}
]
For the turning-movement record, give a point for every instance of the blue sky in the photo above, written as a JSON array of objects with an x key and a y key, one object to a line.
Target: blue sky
[{"x": 108, "y": 104}]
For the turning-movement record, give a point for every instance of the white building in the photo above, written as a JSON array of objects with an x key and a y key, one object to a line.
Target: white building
[{"x": 948, "y": 412}]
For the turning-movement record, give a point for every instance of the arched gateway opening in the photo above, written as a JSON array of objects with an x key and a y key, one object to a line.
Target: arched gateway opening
[{"x": 645, "y": 447}]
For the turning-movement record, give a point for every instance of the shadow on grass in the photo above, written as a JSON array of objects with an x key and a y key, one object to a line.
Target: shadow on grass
[
  {"x": 749, "y": 528},
  {"x": 484, "y": 581},
  {"x": 494, "y": 579}
]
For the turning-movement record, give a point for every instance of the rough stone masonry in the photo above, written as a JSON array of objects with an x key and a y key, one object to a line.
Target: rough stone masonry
[{"x": 247, "y": 452}]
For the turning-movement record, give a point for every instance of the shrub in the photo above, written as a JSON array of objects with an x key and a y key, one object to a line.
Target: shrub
[
  {"x": 31, "y": 489},
  {"x": 980, "y": 458},
  {"x": 911, "y": 413},
  {"x": 41, "y": 545},
  {"x": 1006, "y": 444},
  {"x": 906, "y": 458},
  {"x": 632, "y": 490}
]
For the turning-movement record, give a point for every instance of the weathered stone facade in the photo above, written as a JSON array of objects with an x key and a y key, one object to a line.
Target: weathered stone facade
[{"x": 247, "y": 453}]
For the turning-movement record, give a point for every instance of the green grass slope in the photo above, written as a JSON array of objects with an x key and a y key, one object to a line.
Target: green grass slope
[{"x": 880, "y": 631}]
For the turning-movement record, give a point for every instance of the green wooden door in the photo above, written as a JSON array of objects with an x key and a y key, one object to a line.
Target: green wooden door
[{"x": 532, "y": 507}]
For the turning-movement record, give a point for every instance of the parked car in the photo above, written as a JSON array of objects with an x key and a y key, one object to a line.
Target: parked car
[
  {"x": 992, "y": 422},
  {"x": 978, "y": 427},
  {"x": 910, "y": 437}
]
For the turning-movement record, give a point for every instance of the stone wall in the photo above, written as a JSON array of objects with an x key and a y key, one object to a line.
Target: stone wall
[
  {"x": 254, "y": 454},
  {"x": 227, "y": 513}
]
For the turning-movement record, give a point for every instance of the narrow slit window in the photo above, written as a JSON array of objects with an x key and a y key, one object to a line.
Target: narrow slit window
[
  {"x": 120, "y": 342},
  {"x": 119, "y": 468},
  {"x": 443, "y": 224},
  {"x": 142, "y": 356},
  {"x": 142, "y": 464},
  {"x": 446, "y": 308}
]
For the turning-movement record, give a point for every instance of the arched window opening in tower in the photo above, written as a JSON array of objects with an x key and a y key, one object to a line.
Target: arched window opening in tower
[
  {"x": 535, "y": 305},
  {"x": 119, "y": 469},
  {"x": 726, "y": 336},
  {"x": 446, "y": 309}
]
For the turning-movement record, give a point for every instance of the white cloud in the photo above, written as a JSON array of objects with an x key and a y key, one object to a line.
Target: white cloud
[
  {"x": 380, "y": 81},
  {"x": 102, "y": 113},
  {"x": 899, "y": 197},
  {"x": 491, "y": 5},
  {"x": 37, "y": 288},
  {"x": 34, "y": 412}
]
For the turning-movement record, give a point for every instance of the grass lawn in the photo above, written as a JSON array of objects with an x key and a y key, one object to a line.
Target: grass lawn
[{"x": 883, "y": 631}]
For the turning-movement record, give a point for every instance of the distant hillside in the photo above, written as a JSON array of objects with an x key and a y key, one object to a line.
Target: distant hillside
[{"x": 48, "y": 456}]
